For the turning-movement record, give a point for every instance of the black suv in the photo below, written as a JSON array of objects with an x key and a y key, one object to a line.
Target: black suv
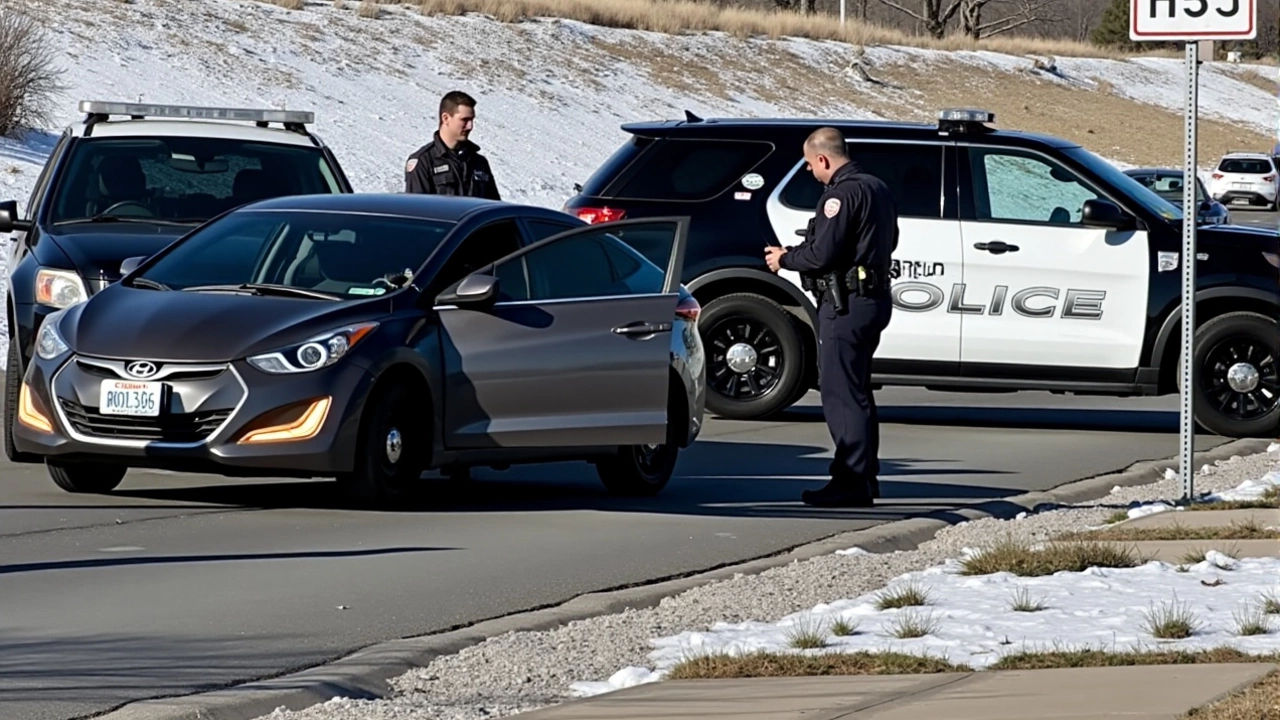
[
  {"x": 1026, "y": 263},
  {"x": 114, "y": 189}
]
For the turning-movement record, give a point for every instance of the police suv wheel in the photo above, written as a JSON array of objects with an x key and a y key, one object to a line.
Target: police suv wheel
[
  {"x": 87, "y": 478},
  {"x": 755, "y": 357},
  {"x": 1237, "y": 382}
]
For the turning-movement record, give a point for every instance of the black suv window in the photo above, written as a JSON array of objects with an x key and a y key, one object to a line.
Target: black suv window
[
  {"x": 913, "y": 172},
  {"x": 579, "y": 266},
  {"x": 690, "y": 169},
  {"x": 182, "y": 178}
]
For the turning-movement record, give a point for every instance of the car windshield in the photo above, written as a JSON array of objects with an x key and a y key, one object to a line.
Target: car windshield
[
  {"x": 1133, "y": 189},
  {"x": 1168, "y": 187},
  {"x": 1245, "y": 166},
  {"x": 297, "y": 252},
  {"x": 181, "y": 179}
]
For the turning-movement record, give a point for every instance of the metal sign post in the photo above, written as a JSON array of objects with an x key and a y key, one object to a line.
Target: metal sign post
[{"x": 1190, "y": 22}]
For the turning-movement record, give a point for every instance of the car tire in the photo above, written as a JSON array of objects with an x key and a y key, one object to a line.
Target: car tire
[
  {"x": 1237, "y": 356},
  {"x": 12, "y": 383},
  {"x": 766, "y": 334},
  {"x": 86, "y": 478},
  {"x": 390, "y": 451},
  {"x": 639, "y": 470}
]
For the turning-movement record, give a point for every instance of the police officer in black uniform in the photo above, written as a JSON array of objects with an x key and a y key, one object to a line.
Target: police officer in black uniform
[
  {"x": 451, "y": 164},
  {"x": 845, "y": 261}
]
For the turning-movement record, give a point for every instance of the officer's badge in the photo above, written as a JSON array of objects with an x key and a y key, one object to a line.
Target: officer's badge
[
  {"x": 409, "y": 166},
  {"x": 831, "y": 207}
]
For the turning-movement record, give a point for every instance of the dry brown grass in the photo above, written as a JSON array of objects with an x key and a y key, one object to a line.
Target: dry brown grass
[
  {"x": 1250, "y": 530},
  {"x": 1017, "y": 557},
  {"x": 1102, "y": 658},
  {"x": 286, "y": 4},
  {"x": 687, "y": 16},
  {"x": 764, "y": 664},
  {"x": 1260, "y": 701},
  {"x": 1270, "y": 499},
  {"x": 1254, "y": 78}
]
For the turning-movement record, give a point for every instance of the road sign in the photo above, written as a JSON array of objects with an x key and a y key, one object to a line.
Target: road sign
[{"x": 1192, "y": 20}]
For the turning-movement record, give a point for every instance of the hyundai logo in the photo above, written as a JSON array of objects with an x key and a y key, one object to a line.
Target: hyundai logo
[{"x": 141, "y": 369}]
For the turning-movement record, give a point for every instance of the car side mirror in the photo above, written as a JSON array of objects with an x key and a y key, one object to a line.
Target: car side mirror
[
  {"x": 1205, "y": 206},
  {"x": 9, "y": 218},
  {"x": 472, "y": 290},
  {"x": 131, "y": 264},
  {"x": 1105, "y": 214}
]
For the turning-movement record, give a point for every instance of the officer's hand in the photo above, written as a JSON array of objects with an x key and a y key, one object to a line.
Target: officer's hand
[{"x": 772, "y": 256}]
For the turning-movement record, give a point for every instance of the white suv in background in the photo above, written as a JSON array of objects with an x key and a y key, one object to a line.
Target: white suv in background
[{"x": 1245, "y": 177}]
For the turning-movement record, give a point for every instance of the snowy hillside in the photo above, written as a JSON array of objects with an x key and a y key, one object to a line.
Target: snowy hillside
[{"x": 553, "y": 93}]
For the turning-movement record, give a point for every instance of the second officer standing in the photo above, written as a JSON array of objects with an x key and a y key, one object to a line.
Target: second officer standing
[
  {"x": 845, "y": 259},
  {"x": 451, "y": 164}
]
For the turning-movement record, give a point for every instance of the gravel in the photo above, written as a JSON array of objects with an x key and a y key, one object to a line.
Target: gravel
[{"x": 523, "y": 671}]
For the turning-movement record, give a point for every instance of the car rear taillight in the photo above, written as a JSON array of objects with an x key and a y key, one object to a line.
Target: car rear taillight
[
  {"x": 599, "y": 215},
  {"x": 1268, "y": 178},
  {"x": 1217, "y": 176},
  {"x": 688, "y": 309}
]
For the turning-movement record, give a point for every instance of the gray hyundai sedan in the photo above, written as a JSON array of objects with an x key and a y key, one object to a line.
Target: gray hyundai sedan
[{"x": 373, "y": 337}]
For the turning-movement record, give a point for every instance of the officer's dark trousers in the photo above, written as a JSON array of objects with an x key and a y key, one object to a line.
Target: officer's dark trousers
[{"x": 847, "y": 342}]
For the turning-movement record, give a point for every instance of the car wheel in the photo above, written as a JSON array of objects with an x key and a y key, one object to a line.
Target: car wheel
[
  {"x": 86, "y": 478},
  {"x": 12, "y": 383},
  {"x": 1237, "y": 383},
  {"x": 755, "y": 358},
  {"x": 639, "y": 470},
  {"x": 391, "y": 448}
]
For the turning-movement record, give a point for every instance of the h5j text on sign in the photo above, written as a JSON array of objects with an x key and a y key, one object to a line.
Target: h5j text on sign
[{"x": 1192, "y": 20}]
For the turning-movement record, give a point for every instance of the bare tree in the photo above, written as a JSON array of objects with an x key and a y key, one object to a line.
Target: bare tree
[
  {"x": 29, "y": 81},
  {"x": 934, "y": 15},
  {"x": 1011, "y": 14}
]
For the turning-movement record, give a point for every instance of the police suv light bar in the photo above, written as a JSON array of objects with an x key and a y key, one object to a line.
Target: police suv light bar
[
  {"x": 963, "y": 115},
  {"x": 94, "y": 107}
]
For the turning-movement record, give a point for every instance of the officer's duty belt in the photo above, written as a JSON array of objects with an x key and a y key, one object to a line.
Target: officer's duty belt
[{"x": 859, "y": 280}]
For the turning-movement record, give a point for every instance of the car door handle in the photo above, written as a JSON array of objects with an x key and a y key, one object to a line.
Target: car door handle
[
  {"x": 641, "y": 328},
  {"x": 995, "y": 247}
]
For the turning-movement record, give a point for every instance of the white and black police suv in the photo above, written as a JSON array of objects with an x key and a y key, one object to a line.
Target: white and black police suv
[{"x": 1025, "y": 263}]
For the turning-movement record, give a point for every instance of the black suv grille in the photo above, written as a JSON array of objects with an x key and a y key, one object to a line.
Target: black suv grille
[{"x": 177, "y": 428}]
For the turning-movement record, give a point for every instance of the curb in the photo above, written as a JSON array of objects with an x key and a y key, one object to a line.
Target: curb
[{"x": 364, "y": 674}]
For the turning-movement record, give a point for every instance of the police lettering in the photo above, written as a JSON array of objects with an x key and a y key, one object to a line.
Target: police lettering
[
  {"x": 1194, "y": 8},
  {"x": 1032, "y": 302}
]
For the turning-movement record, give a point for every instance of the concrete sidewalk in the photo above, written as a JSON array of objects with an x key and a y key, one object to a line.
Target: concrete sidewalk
[{"x": 1152, "y": 692}]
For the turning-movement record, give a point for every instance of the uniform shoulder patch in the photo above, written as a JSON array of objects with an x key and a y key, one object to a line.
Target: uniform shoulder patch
[
  {"x": 831, "y": 207},
  {"x": 409, "y": 166}
]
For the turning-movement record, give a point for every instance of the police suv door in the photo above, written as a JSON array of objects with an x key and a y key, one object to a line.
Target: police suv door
[
  {"x": 1041, "y": 290},
  {"x": 928, "y": 259}
]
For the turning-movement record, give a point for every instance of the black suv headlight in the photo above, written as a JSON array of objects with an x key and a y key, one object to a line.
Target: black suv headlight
[{"x": 317, "y": 352}]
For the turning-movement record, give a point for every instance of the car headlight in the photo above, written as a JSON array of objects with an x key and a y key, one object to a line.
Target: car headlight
[
  {"x": 49, "y": 342},
  {"x": 315, "y": 353},
  {"x": 59, "y": 288}
]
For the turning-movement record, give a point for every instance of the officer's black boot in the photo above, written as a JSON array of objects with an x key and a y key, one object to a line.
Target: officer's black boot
[{"x": 840, "y": 493}]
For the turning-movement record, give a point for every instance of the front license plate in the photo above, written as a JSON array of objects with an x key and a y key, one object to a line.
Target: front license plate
[{"x": 128, "y": 397}]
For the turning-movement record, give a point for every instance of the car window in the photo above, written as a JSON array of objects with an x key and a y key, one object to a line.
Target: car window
[
  {"x": 347, "y": 254},
  {"x": 1245, "y": 166},
  {"x": 182, "y": 178},
  {"x": 690, "y": 169},
  {"x": 42, "y": 181},
  {"x": 543, "y": 229},
  {"x": 1169, "y": 187},
  {"x": 485, "y": 245},
  {"x": 1013, "y": 186},
  {"x": 586, "y": 265},
  {"x": 913, "y": 172}
]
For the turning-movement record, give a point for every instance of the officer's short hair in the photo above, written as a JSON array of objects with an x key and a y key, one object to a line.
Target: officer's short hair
[
  {"x": 455, "y": 99},
  {"x": 827, "y": 141}
]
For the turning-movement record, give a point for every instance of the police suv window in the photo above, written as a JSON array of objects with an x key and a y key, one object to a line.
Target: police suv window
[
  {"x": 913, "y": 172},
  {"x": 690, "y": 169},
  {"x": 1015, "y": 186}
]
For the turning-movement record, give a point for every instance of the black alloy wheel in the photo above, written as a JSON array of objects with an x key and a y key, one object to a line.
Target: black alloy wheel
[
  {"x": 1238, "y": 376},
  {"x": 754, "y": 356}
]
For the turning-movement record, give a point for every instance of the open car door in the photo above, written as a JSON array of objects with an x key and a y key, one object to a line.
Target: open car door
[{"x": 566, "y": 342}]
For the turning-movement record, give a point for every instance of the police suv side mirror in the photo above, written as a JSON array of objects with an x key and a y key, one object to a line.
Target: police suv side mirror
[
  {"x": 9, "y": 218},
  {"x": 1105, "y": 214}
]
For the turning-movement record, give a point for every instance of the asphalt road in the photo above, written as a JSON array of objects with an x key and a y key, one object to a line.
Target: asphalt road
[{"x": 183, "y": 583}]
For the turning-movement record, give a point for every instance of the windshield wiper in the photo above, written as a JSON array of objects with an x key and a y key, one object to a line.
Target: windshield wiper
[
  {"x": 116, "y": 218},
  {"x": 141, "y": 282},
  {"x": 266, "y": 289}
]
